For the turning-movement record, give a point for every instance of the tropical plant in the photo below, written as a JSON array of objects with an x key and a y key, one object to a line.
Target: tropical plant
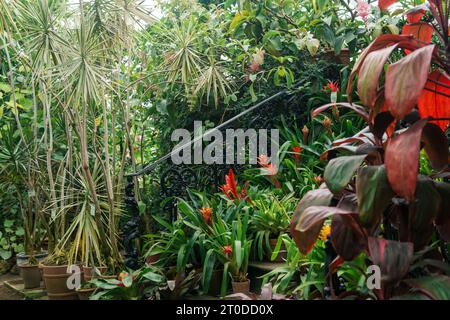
[
  {"x": 388, "y": 210},
  {"x": 10, "y": 239},
  {"x": 144, "y": 283},
  {"x": 270, "y": 219}
]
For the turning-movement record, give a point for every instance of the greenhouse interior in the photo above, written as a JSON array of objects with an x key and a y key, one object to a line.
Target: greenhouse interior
[{"x": 224, "y": 150}]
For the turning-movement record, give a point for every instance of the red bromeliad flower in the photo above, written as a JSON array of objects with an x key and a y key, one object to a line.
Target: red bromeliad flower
[
  {"x": 297, "y": 150},
  {"x": 206, "y": 214},
  {"x": 230, "y": 187},
  {"x": 227, "y": 250},
  {"x": 333, "y": 86}
]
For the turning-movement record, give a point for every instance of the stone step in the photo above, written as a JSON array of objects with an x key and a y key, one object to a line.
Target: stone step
[{"x": 34, "y": 294}]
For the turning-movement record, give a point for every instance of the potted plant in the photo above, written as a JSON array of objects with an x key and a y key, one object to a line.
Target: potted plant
[
  {"x": 144, "y": 283},
  {"x": 336, "y": 41},
  {"x": 239, "y": 253},
  {"x": 269, "y": 222},
  {"x": 85, "y": 290},
  {"x": 31, "y": 275},
  {"x": 56, "y": 272}
]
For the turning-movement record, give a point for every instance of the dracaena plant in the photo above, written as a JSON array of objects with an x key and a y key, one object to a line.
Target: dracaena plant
[{"x": 377, "y": 200}]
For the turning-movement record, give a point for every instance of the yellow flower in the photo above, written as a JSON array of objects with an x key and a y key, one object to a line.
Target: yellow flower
[
  {"x": 97, "y": 121},
  {"x": 325, "y": 232}
]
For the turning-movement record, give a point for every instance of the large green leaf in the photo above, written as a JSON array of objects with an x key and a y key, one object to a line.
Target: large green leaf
[
  {"x": 436, "y": 287},
  {"x": 374, "y": 193},
  {"x": 208, "y": 267},
  {"x": 340, "y": 171}
]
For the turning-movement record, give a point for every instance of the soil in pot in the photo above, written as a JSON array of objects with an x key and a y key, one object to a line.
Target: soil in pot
[
  {"x": 282, "y": 254},
  {"x": 241, "y": 286},
  {"x": 55, "y": 278},
  {"x": 84, "y": 294},
  {"x": 31, "y": 276}
]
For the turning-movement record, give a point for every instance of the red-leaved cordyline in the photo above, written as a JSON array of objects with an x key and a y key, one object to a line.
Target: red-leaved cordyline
[{"x": 230, "y": 188}]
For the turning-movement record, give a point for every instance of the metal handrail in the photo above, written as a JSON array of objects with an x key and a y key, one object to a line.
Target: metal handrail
[{"x": 150, "y": 167}]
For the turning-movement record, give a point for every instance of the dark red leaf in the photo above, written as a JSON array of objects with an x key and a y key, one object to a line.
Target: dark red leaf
[
  {"x": 425, "y": 210},
  {"x": 402, "y": 160},
  {"x": 434, "y": 100},
  {"x": 421, "y": 31},
  {"x": 415, "y": 16},
  {"x": 347, "y": 237},
  {"x": 384, "y": 4},
  {"x": 393, "y": 258},
  {"x": 310, "y": 223},
  {"x": 383, "y": 41},
  {"x": 318, "y": 197},
  {"x": 358, "y": 109},
  {"x": 382, "y": 122},
  {"x": 369, "y": 75},
  {"x": 405, "y": 80}
]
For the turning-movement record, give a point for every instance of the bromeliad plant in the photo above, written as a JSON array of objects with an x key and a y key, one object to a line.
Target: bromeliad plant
[
  {"x": 271, "y": 219},
  {"x": 388, "y": 210}
]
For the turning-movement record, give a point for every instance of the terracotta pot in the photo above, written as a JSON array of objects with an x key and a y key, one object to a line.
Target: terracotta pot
[
  {"x": 55, "y": 278},
  {"x": 84, "y": 294},
  {"x": 282, "y": 254},
  {"x": 216, "y": 282},
  {"x": 241, "y": 286},
  {"x": 89, "y": 273},
  {"x": 31, "y": 276}
]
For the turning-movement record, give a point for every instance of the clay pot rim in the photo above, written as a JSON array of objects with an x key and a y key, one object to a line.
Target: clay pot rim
[
  {"x": 85, "y": 290},
  {"x": 29, "y": 266},
  {"x": 248, "y": 280}
]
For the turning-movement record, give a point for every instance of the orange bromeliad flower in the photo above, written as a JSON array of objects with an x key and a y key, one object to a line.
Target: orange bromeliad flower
[
  {"x": 297, "y": 150},
  {"x": 318, "y": 179},
  {"x": 227, "y": 250},
  {"x": 325, "y": 232},
  {"x": 206, "y": 214}
]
